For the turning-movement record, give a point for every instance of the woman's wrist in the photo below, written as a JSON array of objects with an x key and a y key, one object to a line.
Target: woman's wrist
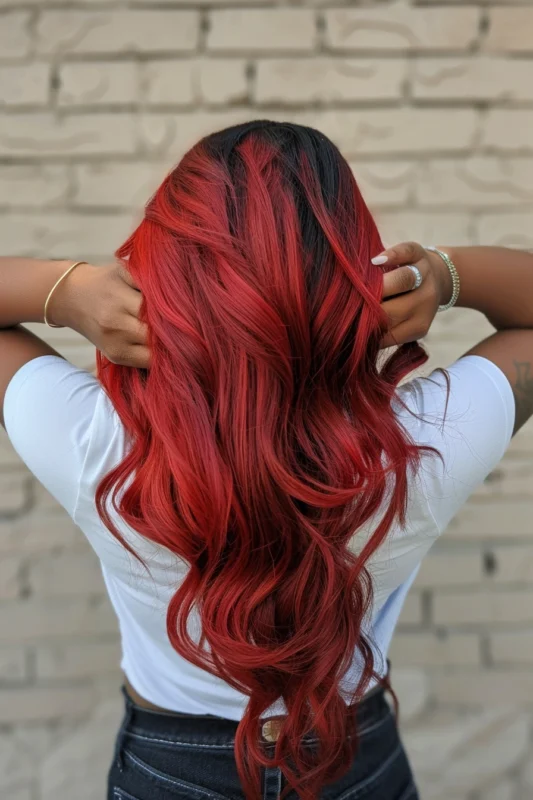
[
  {"x": 65, "y": 307},
  {"x": 442, "y": 273}
]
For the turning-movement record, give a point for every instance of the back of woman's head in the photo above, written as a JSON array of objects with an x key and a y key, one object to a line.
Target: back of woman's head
[{"x": 262, "y": 436}]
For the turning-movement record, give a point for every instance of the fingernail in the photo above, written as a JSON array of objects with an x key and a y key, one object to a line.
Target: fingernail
[{"x": 378, "y": 260}]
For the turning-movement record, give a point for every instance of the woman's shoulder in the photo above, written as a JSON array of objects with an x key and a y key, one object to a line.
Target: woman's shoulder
[
  {"x": 463, "y": 417},
  {"x": 62, "y": 425}
]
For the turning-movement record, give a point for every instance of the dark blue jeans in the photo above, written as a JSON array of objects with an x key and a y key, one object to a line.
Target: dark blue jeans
[{"x": 162, "y": 756}]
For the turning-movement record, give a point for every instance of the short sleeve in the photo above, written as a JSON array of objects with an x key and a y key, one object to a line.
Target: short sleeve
[
  {"x": 48, "y": 411},
  {"x": 467, "y": 414}
]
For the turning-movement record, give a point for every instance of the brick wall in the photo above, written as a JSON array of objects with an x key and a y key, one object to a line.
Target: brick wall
[{"x": 433, "y": 105}]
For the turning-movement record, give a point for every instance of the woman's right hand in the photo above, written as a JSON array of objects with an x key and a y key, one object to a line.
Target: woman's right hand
[
  {"x": 103, "y": 304},
  {"x": 411, "y": 311}
]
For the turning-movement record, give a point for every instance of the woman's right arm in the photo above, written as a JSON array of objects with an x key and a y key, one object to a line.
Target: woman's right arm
[
  {"x": 494, "y": 280},
  {"x": 499, "y": 282}
]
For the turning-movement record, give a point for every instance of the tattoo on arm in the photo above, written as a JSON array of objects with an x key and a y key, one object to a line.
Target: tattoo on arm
[{"x": 523, "y": 392}]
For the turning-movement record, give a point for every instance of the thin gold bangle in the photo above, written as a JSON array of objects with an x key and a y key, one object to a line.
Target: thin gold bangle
[{"x": 52, "y": 290}]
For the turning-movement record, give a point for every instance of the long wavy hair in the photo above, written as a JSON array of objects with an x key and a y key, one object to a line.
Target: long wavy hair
[{"x": 263, "y": 436}]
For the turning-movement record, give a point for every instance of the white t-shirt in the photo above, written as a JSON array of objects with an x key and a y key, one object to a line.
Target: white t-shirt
[{"x": 64, "y": 427}]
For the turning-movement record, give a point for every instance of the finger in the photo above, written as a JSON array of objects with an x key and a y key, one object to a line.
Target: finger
[
  {"x": 132, "y": 356},
  {"x": 399, "y": 335},
  {"x": 398, "y": 281},
  {"x": 403, "y": 253},
  {"x": 125, "y": 275},
  {"x": 400, "y": 308},
  {"x": 136, "y": 331},
  {"x": 400, "y": 312},
  {"x": 140, "y": 357},
  {"x": 132, "y": 302}
]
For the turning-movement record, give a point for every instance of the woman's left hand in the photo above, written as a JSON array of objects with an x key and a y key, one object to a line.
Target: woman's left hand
[{"x": 411, "y": 311}]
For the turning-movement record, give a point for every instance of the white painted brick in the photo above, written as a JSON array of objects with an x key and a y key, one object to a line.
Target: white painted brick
[
  {"x": 412, "y": 690},
  {"x": 385, "y": 184},
  {"x": 21, "y": 750},
  {"x": 22, "y": 792},
  {"x": 461, "y": 568},
  {"x": 527, "y": 775},
  {"x": 59, "y": 338},
  {"x": 169, "y": 82},
  {"x": 44, "y": 502},
  {"x": 65, "y": 574},
  {"x": 457, "y": 755},
  {"x": 493, "y": 520},
  {"x": 485, "y": 2},
  {"x": 24, "y": 85},
  {"x": 32, "y": 704},
  {"x": 259, "y": 30},
  {"x": 36, "y": 185},
  {"x": 300, "y": 81},
  {"x": 121, "y": 184},
  {"x": 15, "y": 35},
  {"x": 400, "y": 27},
  {"x": 512, "y": 647},
  {"x": 42, "y": 134},
  {"x": 364, "y": 132},
  {"x": 10, "y": 585},
  {"x": 8, "y": 456},
  {"x": 483, "y": 607},
  {"x": 170, "y": 135},
  {"x": 441, "y": 354},
  {"x": 38, "y": 619},
  {"x": 522, "y": 444},
  {"x": 461, "y": 324},
  {"x": 14, "y": 492},
  {"x": 435, "y": 650},
  {"x": 73, "y": 760},
  {"x": 471, "y": 688},
  {"x": 506, "y": 229},
  {"x": 508, "y": 130},
  {"x": 423, "y": 226},
  {"x": 79, "y": 660},
  {"x": 473, "y": 78},
  {"x": 38, "y": 532},
  {"x": 222, "y": 80},
  {"x": 82, "y": 356},
  {"x": 510, "y": 30},
  {"x": 13, "y": 665},
  {"x": 100, "y": 83},
  {"x": 412, "y": 609},
  {"x": 476, "y": 182},
  {"x": 63, "y": 235},
  {"x": 395, "y": 131},
  {"x": 510, "y": 477},
  {"x": 117, "y": 31},
  {"x": 502, "y": 790},
  {"x": 513, "y": 563}
]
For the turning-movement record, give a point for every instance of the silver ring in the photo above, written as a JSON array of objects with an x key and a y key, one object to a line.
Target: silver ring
[{"x": 418, "y": 276}]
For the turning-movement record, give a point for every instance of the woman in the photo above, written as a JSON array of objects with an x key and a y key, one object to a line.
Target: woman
[{"x": 258, "y": 489}]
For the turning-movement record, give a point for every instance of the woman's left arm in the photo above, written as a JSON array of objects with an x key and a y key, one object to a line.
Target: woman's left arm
[{"x": 101, "y": 303}]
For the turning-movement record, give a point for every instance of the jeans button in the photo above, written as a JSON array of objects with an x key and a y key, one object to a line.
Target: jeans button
[{"x": 271, "y": 730}]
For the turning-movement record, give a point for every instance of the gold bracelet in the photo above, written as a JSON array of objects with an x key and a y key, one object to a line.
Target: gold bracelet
[
  {"x": 52, "y": 290},
  {"x": 456, "y": 283}
]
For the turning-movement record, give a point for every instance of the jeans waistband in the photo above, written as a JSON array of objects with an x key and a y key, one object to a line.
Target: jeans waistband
[{"x": 217, "y": 732}]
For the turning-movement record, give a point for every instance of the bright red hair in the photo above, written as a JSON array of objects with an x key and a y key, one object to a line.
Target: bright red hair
[{"x": 263, "y": 436}]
